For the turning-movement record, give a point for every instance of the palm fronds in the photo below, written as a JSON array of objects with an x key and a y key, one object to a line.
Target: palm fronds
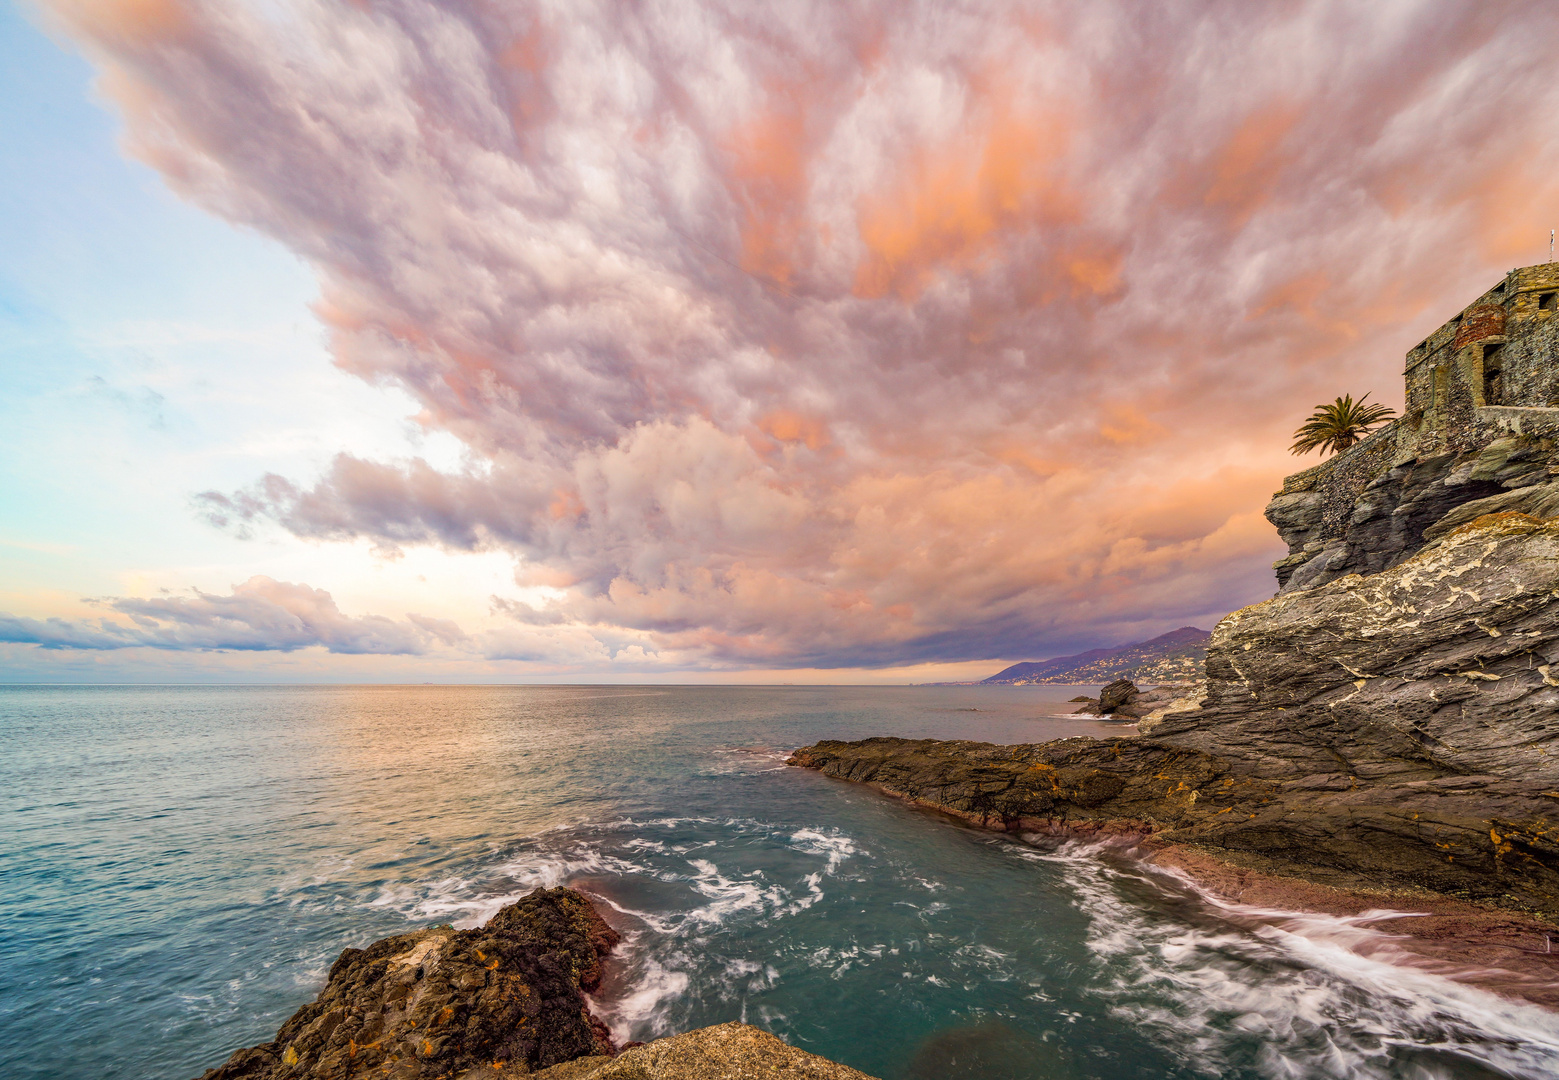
[{"x": 1337, "y": 426}]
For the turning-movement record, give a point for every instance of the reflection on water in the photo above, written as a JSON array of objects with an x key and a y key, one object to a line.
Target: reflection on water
[{"x": 182, "y": 865}]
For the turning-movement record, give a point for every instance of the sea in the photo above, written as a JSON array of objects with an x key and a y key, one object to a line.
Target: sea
[{"x": 179, "y": 866}]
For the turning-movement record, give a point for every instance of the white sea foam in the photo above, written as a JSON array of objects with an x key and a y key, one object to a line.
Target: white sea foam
[
  {"x": 1293, "y": 994},
  {"x": 466, "y": 903},
  {"x": 730, "y": 896},
  {"x": 662, "y": 950},
  {"x": 643, "y": 1009},
  {"x": 833, "y": 845},
  {"x": 751, "y": 759}
]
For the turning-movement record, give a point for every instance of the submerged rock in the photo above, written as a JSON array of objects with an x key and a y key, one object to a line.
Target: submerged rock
[
  {"x": 1398, "y": 730},
  {"x": 726, "y": 1052},
  {"x": 497, "y": 1001}
]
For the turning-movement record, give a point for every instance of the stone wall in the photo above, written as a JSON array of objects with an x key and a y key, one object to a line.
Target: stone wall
[{"x": 1315, "y": 506}]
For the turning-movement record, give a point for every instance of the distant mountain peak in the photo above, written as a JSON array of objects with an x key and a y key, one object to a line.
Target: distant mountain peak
[{"x": 1173, "y": 657}]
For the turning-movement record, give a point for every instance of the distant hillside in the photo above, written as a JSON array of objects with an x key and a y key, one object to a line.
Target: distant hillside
[{"x": 1172, "y": 657}]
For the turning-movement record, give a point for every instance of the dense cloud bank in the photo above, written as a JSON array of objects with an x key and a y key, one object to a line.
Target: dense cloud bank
[{"x": 849, "y": 333}]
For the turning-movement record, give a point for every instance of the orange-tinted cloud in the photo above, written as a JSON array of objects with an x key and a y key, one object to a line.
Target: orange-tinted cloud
[
  {"x": 954, "y": 202},
  {"x": 1244, "y": 173},
  {"x": 1040, "y": 298},
  {"x": 787, "y": 426},
  {"x": 128, "y": 23},
  {"x": 768, "y": 173}
]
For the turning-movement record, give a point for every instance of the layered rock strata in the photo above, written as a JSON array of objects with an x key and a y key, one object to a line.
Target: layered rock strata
[
  {"x": 1396, "y": 730},
  {"x": 498, "y": 1001},
  {"x": 1363, "y": 513}
]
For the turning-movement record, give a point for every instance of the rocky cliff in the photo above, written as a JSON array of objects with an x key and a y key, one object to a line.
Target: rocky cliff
[
  {"x": 1361, "y": 514},
  {"x": 1397, "y": 730},
  {"x": 1477, "y": 435},
  {"x": 480, "y": 1004}
]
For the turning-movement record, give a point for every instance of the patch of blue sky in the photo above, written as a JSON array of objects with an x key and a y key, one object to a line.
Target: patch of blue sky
[{"x": 149, "y": 351}]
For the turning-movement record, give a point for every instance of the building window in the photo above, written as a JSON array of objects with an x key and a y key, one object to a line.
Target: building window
[
  {"x": 1493, "y": 377},
  {"x": 1547, "y": 301}
]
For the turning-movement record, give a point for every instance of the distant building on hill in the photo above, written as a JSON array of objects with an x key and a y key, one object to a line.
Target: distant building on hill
[{"x": 1486, "y": 379}]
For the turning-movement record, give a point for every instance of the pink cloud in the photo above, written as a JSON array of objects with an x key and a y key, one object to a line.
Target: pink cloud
[
  {"x": 261, "y": 614},
  {"x": 852, "y": 333}
]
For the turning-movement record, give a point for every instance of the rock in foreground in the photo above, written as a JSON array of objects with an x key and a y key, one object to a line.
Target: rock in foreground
[
  {"x": 498, "y": 1001},
  {"x": 725, "y": 1052}
]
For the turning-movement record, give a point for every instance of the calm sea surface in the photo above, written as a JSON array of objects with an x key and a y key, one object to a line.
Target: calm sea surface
[{"x": 180, "y": 866}]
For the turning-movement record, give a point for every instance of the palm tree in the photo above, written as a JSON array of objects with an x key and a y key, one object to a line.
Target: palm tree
[{"x": 1337, "y": 426}]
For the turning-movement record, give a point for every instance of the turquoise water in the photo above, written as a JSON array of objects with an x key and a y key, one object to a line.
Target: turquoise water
[{"x": 181, "y": 865}]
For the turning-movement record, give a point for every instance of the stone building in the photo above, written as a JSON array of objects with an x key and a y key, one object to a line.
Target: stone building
[{"x": 1479, "y": 434}]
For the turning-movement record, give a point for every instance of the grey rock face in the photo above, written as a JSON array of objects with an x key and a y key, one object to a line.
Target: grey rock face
[
  {"x": 1479, "y": 422},
  {"x": 1438, "y": 666},
  {"x": 1400, "y": 729},
  {"x": 1385, "y": 513}
]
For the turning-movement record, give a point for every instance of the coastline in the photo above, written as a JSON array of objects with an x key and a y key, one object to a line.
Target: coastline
[{"x": 1480, "y": 945}]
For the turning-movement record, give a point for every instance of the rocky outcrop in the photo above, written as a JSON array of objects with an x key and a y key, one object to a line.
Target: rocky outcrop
[
  {"x": 1118, "y": 698},
  {"x": 1396, "y": 730},
  {"x": 1360, "y": 513},
  {"x": 1164, "y": 700},
  {"x": 1479, "y": 434},
  {"x": 1126, "y": 785},
  {"x": 482, "y": 1004},
  {"x": 1121, "y": 700},
  {"x": 726, "y": 1052}
]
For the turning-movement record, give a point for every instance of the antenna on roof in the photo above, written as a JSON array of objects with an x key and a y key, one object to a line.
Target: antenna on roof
[{"x": 1550, "y": 245}]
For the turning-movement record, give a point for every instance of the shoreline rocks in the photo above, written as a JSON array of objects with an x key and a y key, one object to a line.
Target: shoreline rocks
[
  {"x": 497, "y": 1001},
  {"x": 1400, "y": 730},
  {"x": 1163, "y": 805},
  {"x": 1121, "y": 700},
  {"x": 1397, "y": 733}
]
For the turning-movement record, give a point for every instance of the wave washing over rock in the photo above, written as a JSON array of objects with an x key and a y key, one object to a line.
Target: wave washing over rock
[
  {"x": 1383, "y": 733},
  {"x": 506, "y": 999},
  {"x": 476, "y": 1004}
]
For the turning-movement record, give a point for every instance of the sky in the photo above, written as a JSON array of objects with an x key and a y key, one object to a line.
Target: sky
[{"x": 679, "y": 341}]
